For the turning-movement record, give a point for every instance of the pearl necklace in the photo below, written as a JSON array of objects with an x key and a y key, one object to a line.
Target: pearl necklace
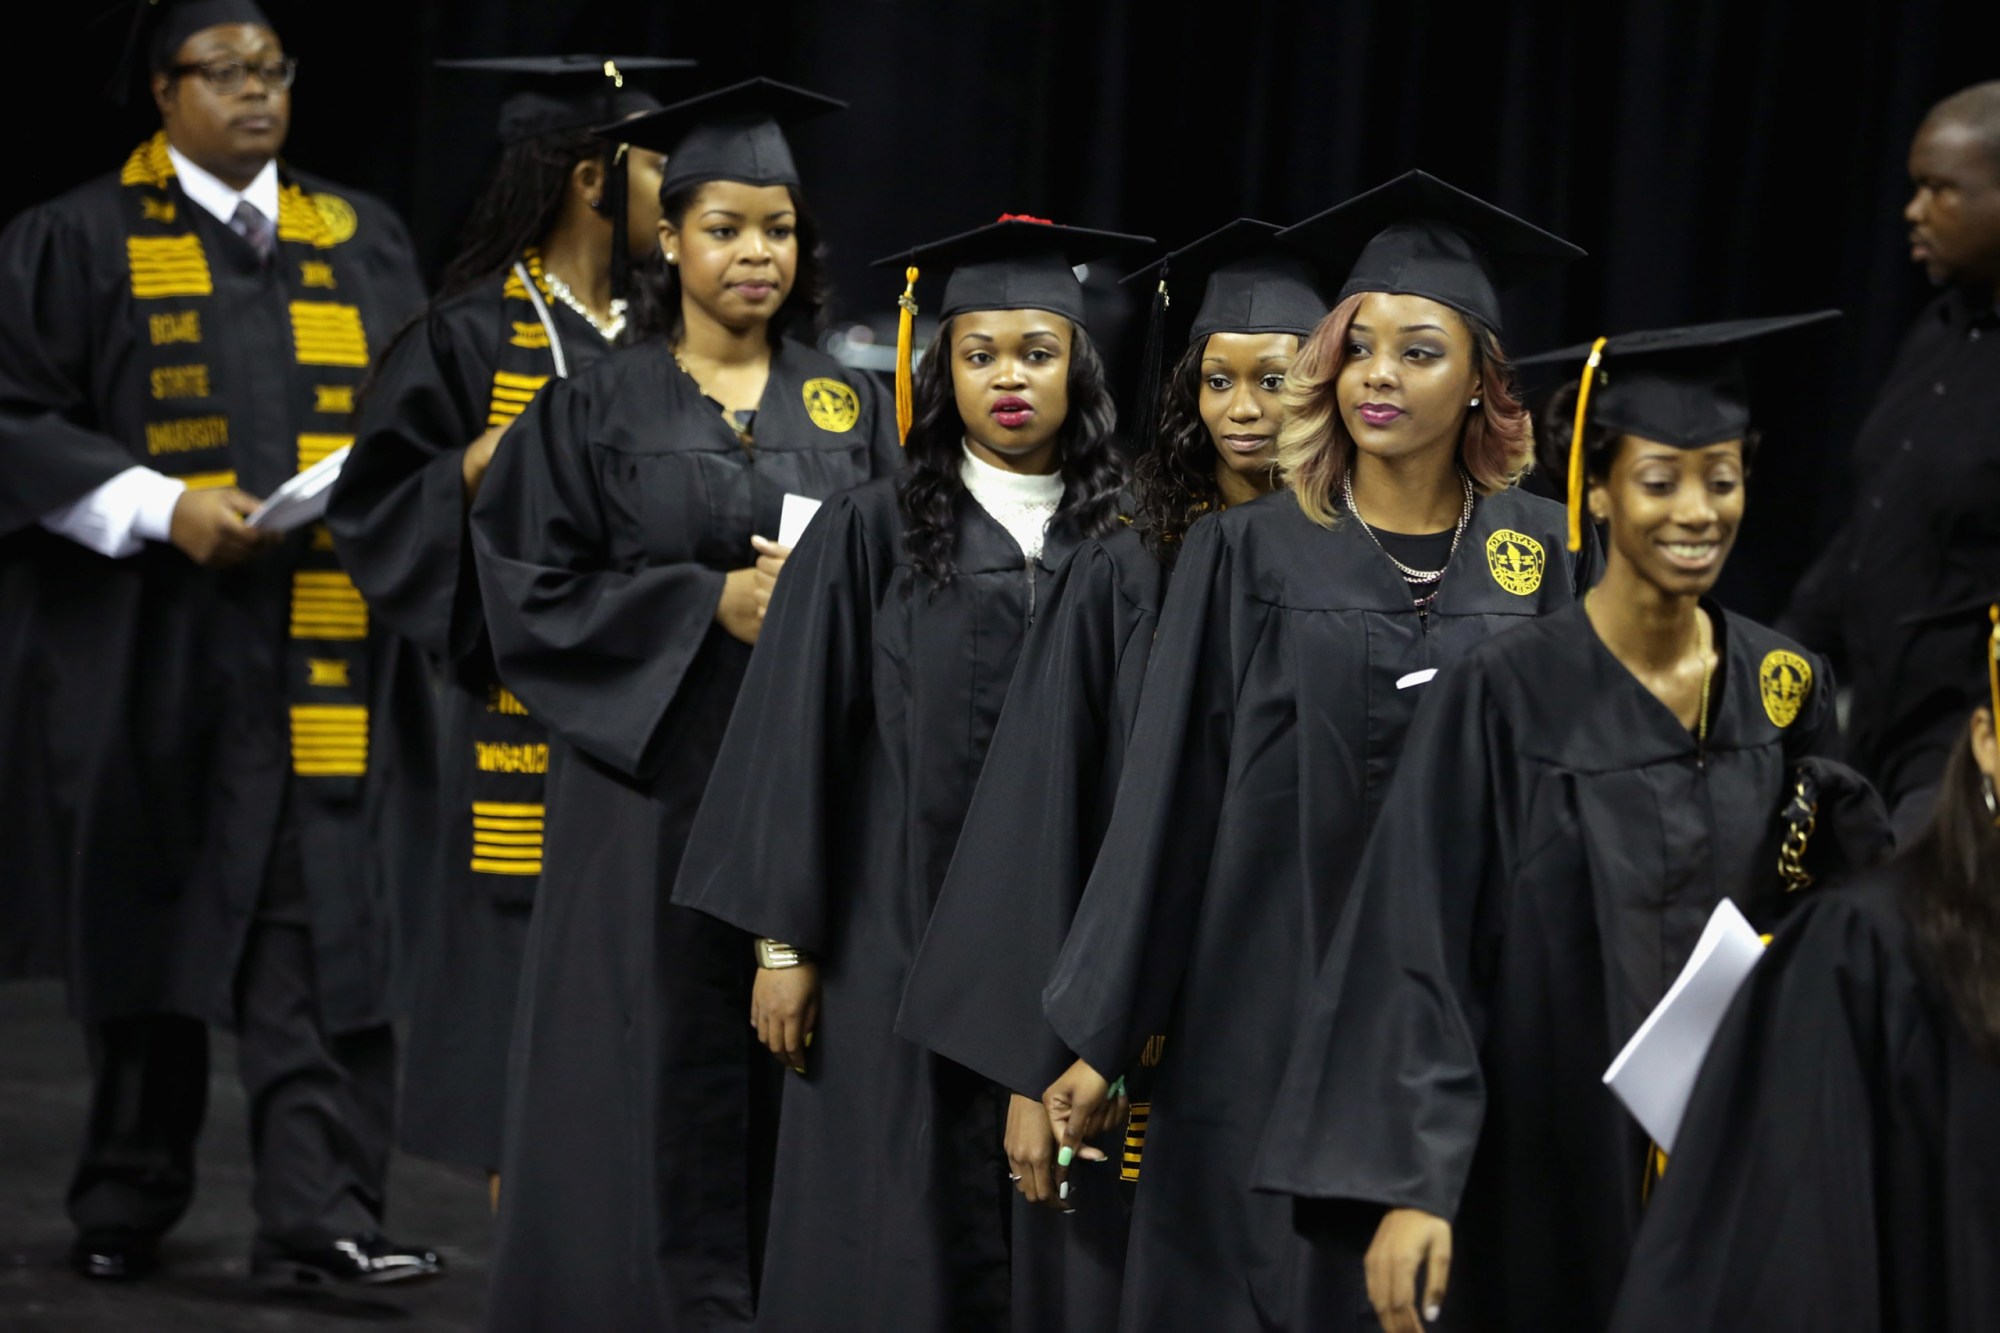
[{"x": 608, "y": 328}]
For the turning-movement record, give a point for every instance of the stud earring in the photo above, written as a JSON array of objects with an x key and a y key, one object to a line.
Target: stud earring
[
  {"x": 1475, "y": 402},
  {"x": 597, "y": 204},
  {"x": 670, "y": 256}
]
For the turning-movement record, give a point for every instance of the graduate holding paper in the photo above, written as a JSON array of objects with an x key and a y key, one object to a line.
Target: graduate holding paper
[
  {"x": 1837, "y": 1168},
  {"x": 842, "y": 784},
  {"x": 1575, "y": 798},
  {"x": 614, "y": 535}
]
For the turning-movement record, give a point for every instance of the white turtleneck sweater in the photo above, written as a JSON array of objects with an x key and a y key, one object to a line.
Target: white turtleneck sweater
[{"x": 1019, "y": 503}]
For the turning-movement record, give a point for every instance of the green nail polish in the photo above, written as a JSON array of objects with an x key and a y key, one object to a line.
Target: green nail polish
[
  {"x": 1117, "y": 1089},
  {"x": 1066, "y": 1156}
]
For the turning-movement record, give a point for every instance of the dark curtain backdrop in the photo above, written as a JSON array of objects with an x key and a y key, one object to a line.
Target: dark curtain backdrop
[{"x": 1716, "y": 157}]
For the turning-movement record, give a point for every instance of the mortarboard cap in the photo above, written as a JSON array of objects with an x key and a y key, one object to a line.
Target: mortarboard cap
[
  {"x": 160, "y": 27},
  {"x": 1418, "y": 236},
  {"x": 1016, "y": 263},
  {"x": 1685, "y": 387},
  {"x": 576, "y": 92},
  {"x": 1250, "y": 282},
  {"x": 733, "y": 134}
]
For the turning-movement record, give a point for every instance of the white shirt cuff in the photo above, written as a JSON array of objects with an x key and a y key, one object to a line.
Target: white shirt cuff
[{"x": 121, "y": 515}]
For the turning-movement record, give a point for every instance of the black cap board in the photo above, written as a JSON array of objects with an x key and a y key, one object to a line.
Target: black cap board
[
  {"x": 174, "y": 23},
  {"x": 1684, "y": 387},
  {"x": 160, "y": 27},
  {"x": 568, "y": 93},
  {"x": 1018, "y": 263},
  {"x": 733, "y": 134},
  {"x": 1250, "y": 282},
  {"x": 1418, "y": 236}
]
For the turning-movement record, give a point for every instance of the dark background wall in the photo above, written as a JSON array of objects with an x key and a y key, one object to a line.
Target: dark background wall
[{"x": 1717, "y": 157}]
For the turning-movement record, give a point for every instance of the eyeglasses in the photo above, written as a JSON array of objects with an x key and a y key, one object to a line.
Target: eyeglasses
[{"x": 229, "y": 76}]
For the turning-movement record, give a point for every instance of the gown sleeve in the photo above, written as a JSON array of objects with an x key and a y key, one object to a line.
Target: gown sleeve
[
  {"x": 49, "y": 457},
  {"x": 398, "y": 512},
  {"x": 1383, "y": 1097},
  {"x": 1772, "y": 1212},
  {"x": 1114, "y": 981},
  {"x": 597, "y": 651},
  {"x": 766, "y": 843},
  {"x": 1030, "y": 835}
]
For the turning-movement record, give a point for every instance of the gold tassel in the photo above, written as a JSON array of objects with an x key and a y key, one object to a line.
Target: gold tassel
[
  {"x": 1993, "y": 671},
  {"x": 905, "y": 335},
  {"x": 1576, "y": 446}
]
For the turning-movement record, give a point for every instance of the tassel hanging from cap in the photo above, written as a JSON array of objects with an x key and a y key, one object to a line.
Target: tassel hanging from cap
[
  {"x": 617, "y": 189},
  {"x": 906, "y": 333},
  {"x": 1993, "y": 666},
  {"x": 1152, "y": 372},
  {"x": 1576, "y": 444}
]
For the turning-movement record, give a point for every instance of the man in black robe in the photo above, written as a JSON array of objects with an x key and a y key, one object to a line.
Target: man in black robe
[
  {"x": 1923, "y": 536},
  {"x": 215, "y": 713}
]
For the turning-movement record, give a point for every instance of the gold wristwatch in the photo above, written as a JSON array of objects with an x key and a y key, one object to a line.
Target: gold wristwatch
[{"x": 775, "y": 954}]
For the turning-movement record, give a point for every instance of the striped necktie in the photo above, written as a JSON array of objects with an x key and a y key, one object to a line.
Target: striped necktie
[{"x": 253, "y": 227}]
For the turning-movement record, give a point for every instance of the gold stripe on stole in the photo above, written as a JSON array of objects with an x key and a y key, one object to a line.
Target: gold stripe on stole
[
  {"x": 315, "y": 448},
  {"x": 326, "y": 605},
  {"x": 329, "y": 740},
  {"x": 168, "y": 266},
  {"x": 511, "y": 395},
  {"x": 1135, "y": 1142},
  {"x": 326, "y": 333},
  {"x": 507, "y": 837}
]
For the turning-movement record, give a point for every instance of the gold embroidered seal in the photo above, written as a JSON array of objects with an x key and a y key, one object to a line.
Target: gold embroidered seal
[
  {"x": 1783, "y": 681},
  {"x": 337, "y": 215},
  {"x": 831, "y": 405},
  {"x": 1517, "y": 561}
]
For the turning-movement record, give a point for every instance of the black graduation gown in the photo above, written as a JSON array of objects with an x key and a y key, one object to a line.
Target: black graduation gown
[
  {"x": 603, "y": 532},
  {"x": 155, "y": 693},
  {"x": 1030, "y": 836},
  {"x": 398, "y": 516},
  {"x": 1553, "y": 845},
  {"x": 830, "y": 824},
  {"x": 1273, "y": 714},
  {"x": 1837, "y": 1168}
]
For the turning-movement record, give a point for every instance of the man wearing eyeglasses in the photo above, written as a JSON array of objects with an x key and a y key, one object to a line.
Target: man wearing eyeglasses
[{"x": 214, "y": 710}]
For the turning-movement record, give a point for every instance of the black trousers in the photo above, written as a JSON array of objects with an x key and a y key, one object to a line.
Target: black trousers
[{"x": 322, "y": 1105}]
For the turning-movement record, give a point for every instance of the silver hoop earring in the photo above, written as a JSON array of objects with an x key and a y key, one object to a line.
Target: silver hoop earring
[{"x": 1992, "y": 798}]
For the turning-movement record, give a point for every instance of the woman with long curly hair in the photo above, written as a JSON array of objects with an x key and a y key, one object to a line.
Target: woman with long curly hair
[
  {"x": 620, "y": 535},
  {"x": 846, "y": 773},
  {"x": 1837, "y": 1168},
  {"x": 1033, "y": 828},
  {"x": 1296, "y": 638},
  {"x": 1576, "y": 797},
  {"x": 442, "y": 396}
]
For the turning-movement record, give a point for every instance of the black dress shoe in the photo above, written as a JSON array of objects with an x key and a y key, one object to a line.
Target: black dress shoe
[
  {"x": 114, "y": 1256},
  {"x": 369, "y": 1260}
]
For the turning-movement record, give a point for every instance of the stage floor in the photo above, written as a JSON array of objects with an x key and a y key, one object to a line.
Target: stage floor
[{"x": 203, "y": 1281}]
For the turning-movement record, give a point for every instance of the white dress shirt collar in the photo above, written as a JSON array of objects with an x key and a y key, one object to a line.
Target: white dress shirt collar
[{"x": 219, "y": 199}]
